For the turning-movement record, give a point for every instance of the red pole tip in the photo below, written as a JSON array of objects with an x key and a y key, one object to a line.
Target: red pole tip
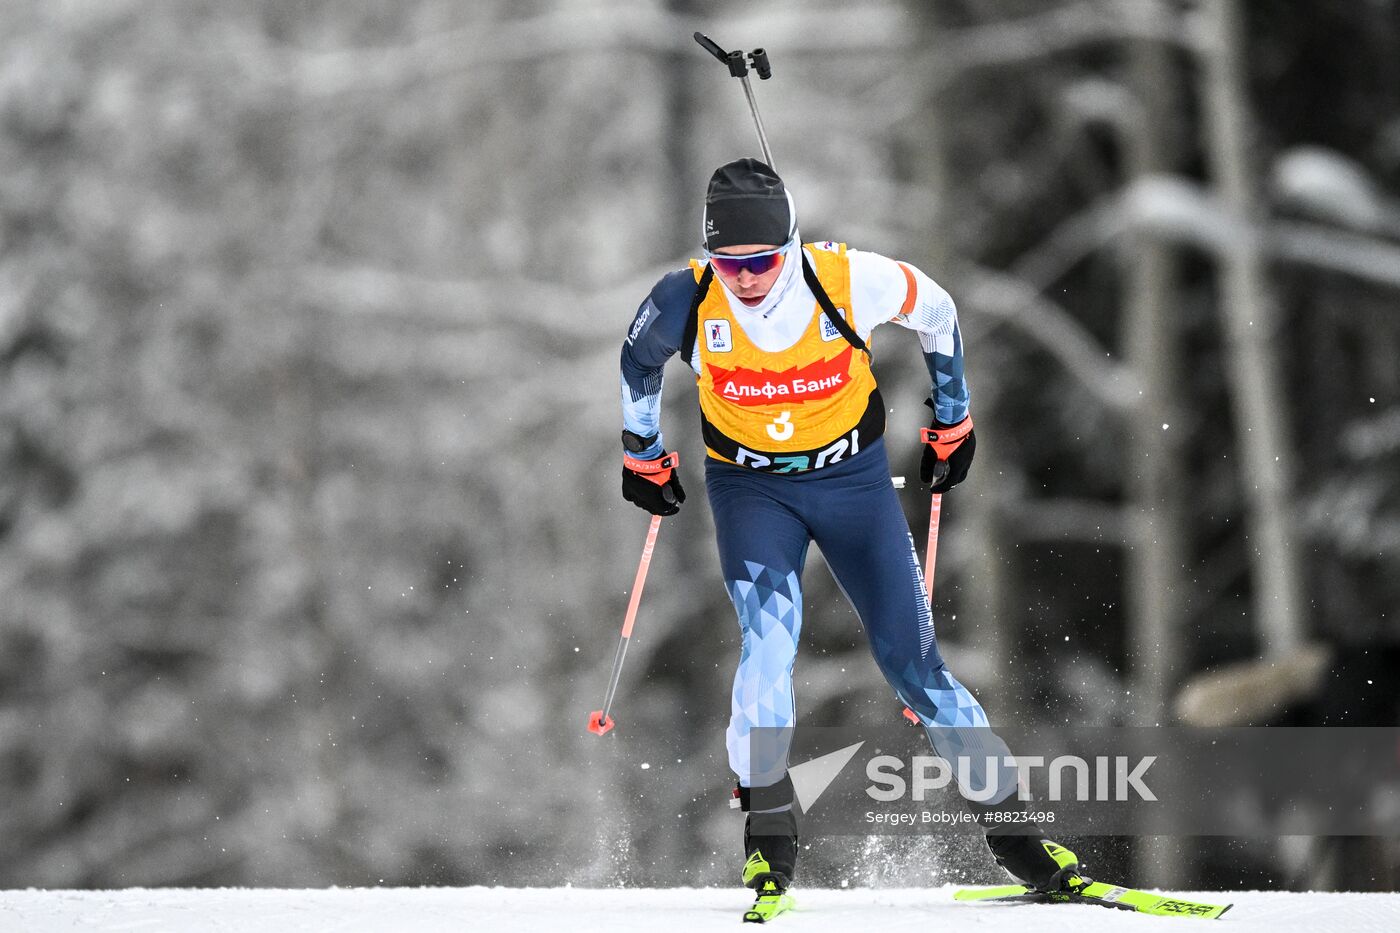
[
  {"x": 597, "y": 724},
  {"x": 909, "y": 715}
]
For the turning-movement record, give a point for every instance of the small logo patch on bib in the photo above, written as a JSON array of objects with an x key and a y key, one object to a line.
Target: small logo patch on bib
[
  {"x": 829, "y": 331},
  {"x": 718, "y": 337}
]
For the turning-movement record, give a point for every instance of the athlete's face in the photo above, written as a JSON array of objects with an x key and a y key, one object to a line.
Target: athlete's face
[{"x": 747, "y": 287}]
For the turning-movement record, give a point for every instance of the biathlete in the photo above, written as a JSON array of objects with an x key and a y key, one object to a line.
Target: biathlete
[{"x": 777, "y": 333}]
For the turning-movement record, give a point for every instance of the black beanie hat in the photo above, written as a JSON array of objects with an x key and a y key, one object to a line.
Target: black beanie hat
[{"x": 746, "y": 203}]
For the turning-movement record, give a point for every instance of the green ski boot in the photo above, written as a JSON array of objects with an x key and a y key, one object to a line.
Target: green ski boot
[
  {"x": 771, "y": 887},
  {"x": 770, "y": 845},
  {"x": 1036, "y": 862}
]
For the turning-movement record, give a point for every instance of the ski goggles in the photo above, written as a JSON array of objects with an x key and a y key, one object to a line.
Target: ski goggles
[{"x": 757, "y": 263}]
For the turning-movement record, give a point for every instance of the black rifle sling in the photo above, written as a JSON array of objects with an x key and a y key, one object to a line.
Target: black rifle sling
[
  {"x": 837, "y": 321},
  {"x": 692, "y": 321}
]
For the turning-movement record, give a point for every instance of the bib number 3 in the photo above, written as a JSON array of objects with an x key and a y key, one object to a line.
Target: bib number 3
[{"x": 782, "y": 427}]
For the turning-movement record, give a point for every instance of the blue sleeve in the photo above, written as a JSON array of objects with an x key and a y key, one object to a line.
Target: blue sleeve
[
  {"x": 656, "y": 334},
  {"x": 950, "y": 394}
]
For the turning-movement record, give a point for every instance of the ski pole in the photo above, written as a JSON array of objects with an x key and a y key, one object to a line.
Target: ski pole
[
  {"x": 599, "y": 721},
  {"x": 935, "y": 509},
  {"x": 898, "y": 483},
  {"x": 739, "y": 68},
  {"x": 931, "y": 554}
]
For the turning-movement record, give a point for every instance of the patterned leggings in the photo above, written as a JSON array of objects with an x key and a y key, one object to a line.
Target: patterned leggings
[{"x": 764, "y": 524}]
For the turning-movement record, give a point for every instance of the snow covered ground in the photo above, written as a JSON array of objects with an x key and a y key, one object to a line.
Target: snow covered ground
[{"x": 426, "y": 910}]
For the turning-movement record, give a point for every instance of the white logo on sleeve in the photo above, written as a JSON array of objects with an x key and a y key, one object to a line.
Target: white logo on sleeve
[
  {"x": 781, "y": 429},
  {"x": 717, "y": 336},
  {"x": 640, "y": 322}
]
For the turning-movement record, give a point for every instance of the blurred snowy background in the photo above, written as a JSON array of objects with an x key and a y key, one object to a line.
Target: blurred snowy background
[{"x": 312, "y": 557}]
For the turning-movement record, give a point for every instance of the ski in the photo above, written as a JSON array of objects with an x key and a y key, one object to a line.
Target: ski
[
  {"x": 1084, "y": 891},
  {"x": 1005, "y": 892}
]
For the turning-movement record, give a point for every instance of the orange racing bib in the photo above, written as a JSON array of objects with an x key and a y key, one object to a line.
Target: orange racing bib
[{"x": 802, "y": 408}]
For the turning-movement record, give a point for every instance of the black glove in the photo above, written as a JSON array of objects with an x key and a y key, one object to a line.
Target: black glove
[
  {"x": 948, "y": 450},
  {"x": 654, "y": 485}
]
